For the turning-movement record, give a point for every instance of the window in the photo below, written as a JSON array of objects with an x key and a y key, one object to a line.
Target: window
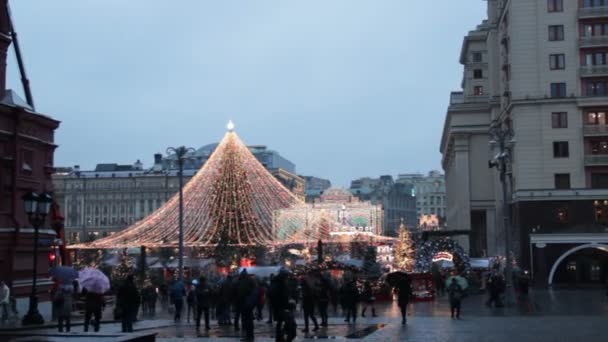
[
  {"x": 477, "y": 57},
  {"x": 559, "y": 120},
  {"x": 562, "y": 181},
  {"x": 560, "y": 149},
  {"x": 558, "y": 90},
  {"x": 556, "y": 32},
  {"x": 596, "y": 88},
  {"x": 477, "y": 90},
  {"x": 27, "y": 161},
  {"x": 599, "y": 147},
  {"x": 557, "y": 62},
  {"x": 477, "y": 73},
  {"x": 555, "y": 5},
  {"x": 596, "y": 118}
]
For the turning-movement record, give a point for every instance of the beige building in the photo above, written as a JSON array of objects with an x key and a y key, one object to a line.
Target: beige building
[{"x": 539, "y": 67}]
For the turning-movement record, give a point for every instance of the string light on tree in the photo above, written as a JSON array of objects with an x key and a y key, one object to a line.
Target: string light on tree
[
  {"x": 230, "y": 201},
  {"x": 404, "y": 250}
]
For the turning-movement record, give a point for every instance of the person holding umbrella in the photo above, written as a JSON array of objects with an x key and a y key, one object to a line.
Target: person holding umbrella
[
  {"x": 404, "y": 292},
  {"x": 93, "y": 305},
  {"x": 63, "y": 303}
]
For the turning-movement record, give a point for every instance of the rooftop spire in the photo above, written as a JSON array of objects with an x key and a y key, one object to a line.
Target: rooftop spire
[{"x": 230, "y": 126}]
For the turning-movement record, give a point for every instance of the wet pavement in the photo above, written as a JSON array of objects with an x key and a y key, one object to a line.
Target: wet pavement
[{"x": 561, "y": 315}]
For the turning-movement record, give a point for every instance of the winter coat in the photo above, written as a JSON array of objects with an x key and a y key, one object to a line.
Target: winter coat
[
  {"x": 127, "y": 298},
  {"x": 203, "y": 295},
  {"x": 404, "y": 292},
  {"x": 63, "y": 300},
  {"x": 350, "y": 293},
  {"x": 279, "y": 295},
  {"x": 92, "y": 301},
  {"x": 455, "y": 292}
]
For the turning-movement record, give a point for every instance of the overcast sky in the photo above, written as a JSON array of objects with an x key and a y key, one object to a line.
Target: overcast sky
[{"x": 343, "y": 88}]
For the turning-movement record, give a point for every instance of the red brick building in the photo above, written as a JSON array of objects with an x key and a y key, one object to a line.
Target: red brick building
[{"x": 26, "y": 164}]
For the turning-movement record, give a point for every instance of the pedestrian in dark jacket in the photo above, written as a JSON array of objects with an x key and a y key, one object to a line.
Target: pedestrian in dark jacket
[
  {"x": 224, "y": 301},
  {"x": 351, "y": 298},
  {"x": 404, "y": 292},
  {"x": 279, "y": 296},
  {"x": 323, "y": 297},
  {"x": 456, "y": 293},
  {"x": 203, "y": 300},
  {"x": 246, "y": 299},
  {"x": 127, "y": 299},
  {"x": 368, "y": 299},
  {"x": 495, "y": 287},
  {"x": 93, "y": 306},
  {"x": 63, "y": 303},
  {"x": 178, "y": 291},
  {"x": 308, "y": 304},
  {"x": 190, "y": 301}
]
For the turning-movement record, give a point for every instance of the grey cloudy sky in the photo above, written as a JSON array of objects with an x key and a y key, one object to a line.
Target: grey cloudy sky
[{"x": 343, "y": 88}]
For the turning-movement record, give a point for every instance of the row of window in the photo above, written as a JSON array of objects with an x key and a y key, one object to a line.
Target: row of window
[
  {"x": 598, "y": 181},
  {"x": 560, "y": 119}
]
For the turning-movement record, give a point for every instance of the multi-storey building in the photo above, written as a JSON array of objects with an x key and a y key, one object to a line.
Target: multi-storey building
[
  {"x": 538, "y": 68},
  {"x": 430, "y": 193},
  {"x": 397, "y": 200},
  {"x": 112, "y": 197},
  {"x": 315, "y": 187},
  {"x": 27, "y": 146}
]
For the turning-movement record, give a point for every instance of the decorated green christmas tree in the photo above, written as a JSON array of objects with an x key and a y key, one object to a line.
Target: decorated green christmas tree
[
  {"x": 404, "y": 252},
  {"x": 124, "y": 269}
]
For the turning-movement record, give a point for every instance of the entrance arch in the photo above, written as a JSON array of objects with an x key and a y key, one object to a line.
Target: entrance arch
[{"x": 600, "y": 246}]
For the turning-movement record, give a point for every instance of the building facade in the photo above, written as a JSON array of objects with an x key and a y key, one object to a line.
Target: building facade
[
  {"x": 111, "y": 197},
  {"x": 27, "y": 146},
  {"x": 315, "y": 187},
  {"x": 538, "y": 68},
  {"x": 430, "y": 195},
  {"x": 397, "y": 199}
]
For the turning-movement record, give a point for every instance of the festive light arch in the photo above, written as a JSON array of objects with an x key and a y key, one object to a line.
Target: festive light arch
[{"x": 230, "y": 200}]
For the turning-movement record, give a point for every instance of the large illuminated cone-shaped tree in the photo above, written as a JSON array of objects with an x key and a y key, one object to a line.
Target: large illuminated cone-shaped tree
[
  {"x": 404, "y": 252},
  {"x": 229, "y": 202}
]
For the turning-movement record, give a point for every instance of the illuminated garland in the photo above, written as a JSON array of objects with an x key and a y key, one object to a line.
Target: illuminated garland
[
  {"x": 229, "y": 201},
  {"x": 404, "y": 252}
]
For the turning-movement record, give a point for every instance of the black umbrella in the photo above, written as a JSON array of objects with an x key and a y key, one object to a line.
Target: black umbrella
[{"x": 395, "y": 278}]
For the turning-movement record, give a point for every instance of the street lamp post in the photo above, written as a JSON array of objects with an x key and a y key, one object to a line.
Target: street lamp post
[
  {"x": 180, "y": 153},
  {"x": 502, "y": 141},
  {"x": 37, "y": 208}
]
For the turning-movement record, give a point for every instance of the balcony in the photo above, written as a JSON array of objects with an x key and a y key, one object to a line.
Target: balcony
[
  {"x": 596, "y": 160},
  {"x": 595, "y": 130},
  {"x": 593, "y": 12},
  {"x": 592, "y": 41},
  {"x": 594, "y": 70}
]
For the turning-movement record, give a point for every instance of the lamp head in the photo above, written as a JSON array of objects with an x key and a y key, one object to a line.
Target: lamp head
[
  {"x": 45, "y": 201},
  {"x": 30, "y": 203}
]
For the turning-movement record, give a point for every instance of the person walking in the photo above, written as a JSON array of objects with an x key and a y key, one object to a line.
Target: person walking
[
  {"x": 308, "y": 304},
  {"x": 5, "y": 300},
  {"x": 323, "y": 297},
  {"x": 262, "y": 299},
  {"x": 495, "y": 287},
  {"x": 269, "y": 298},
  {"x": 127, "y": 300},
  {"x": 368, "y": 298},
  {"x": 63, "y": 303},
  {"x": 178, "y": 291},
  {"x": 246, "y": 299},
  {"x": 455, "y": 293},
  {"x": 404, "y": 292},
  {"x": 93, "y": 305},
  {"x": 203, "y": 299},
  {"x": 279, "y": 297},
  {"x": 351, "y": 297},
  {"x": 224, "y": 301},
  {"x": 190, "y": 302}
]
